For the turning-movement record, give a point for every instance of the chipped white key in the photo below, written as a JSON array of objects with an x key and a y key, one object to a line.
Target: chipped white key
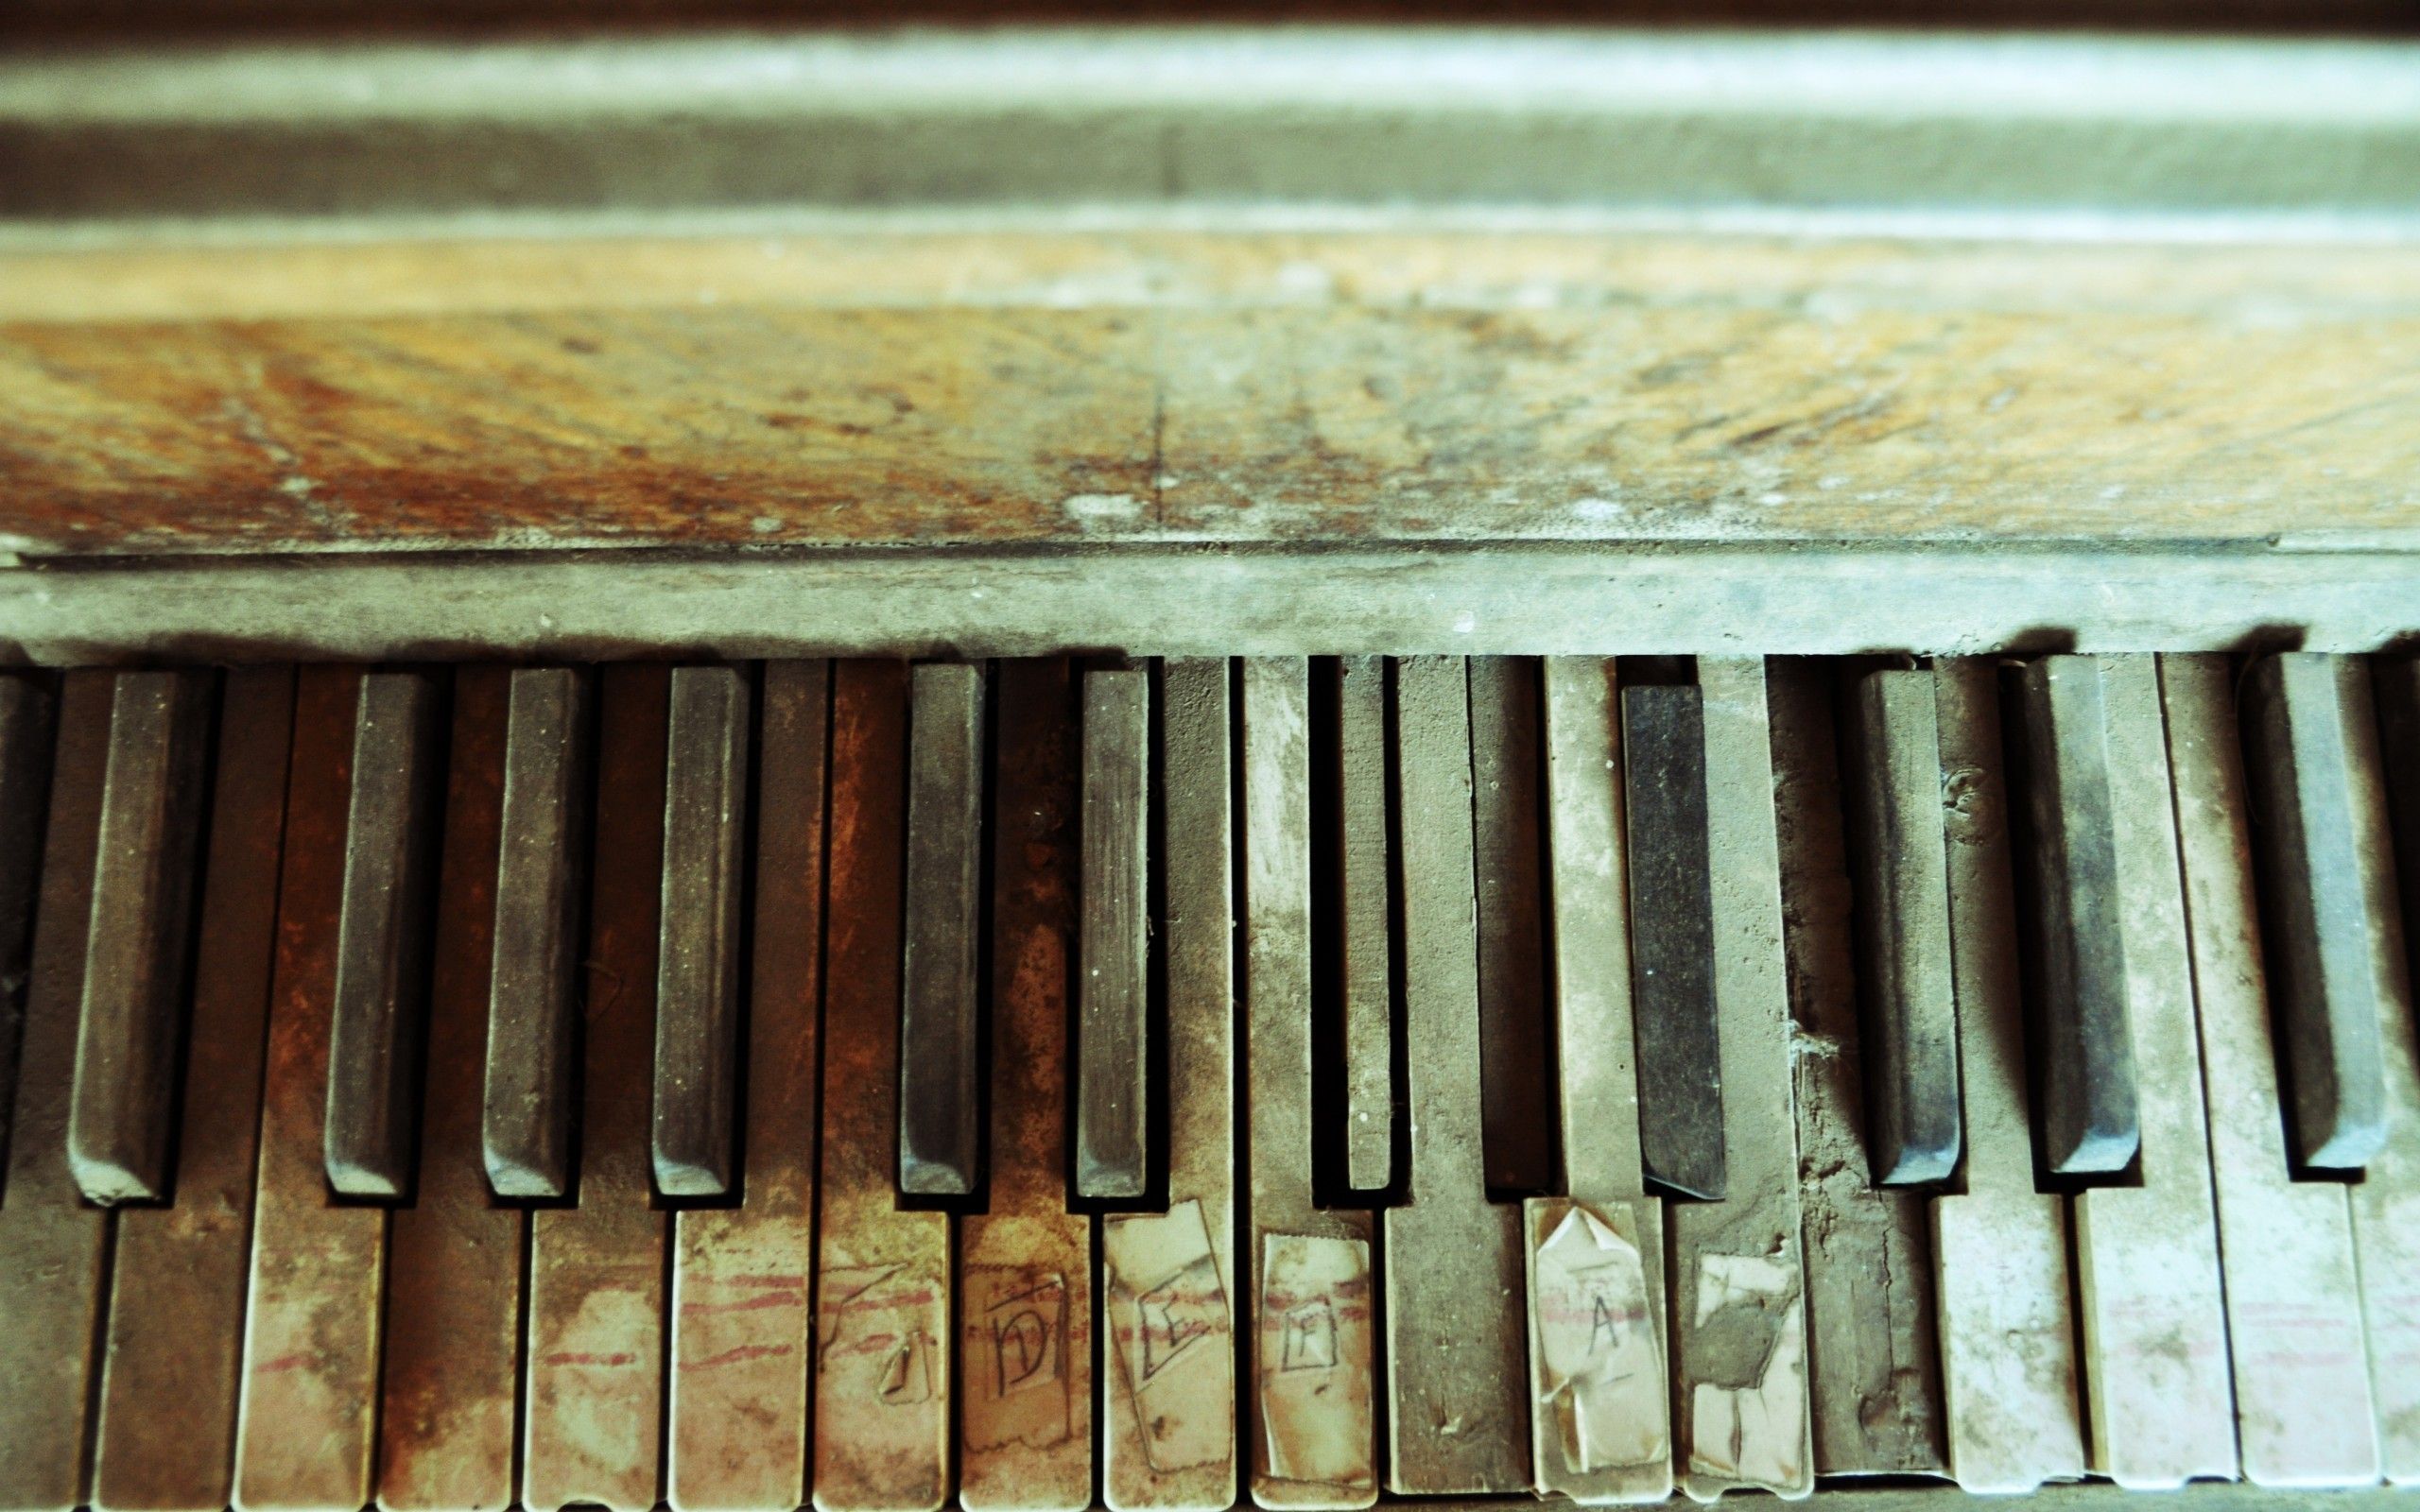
[{"x": 1999, "y": 1245}]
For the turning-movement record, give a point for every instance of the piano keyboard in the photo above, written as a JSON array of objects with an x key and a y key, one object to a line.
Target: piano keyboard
[{"x": 1164, "y": 1084}]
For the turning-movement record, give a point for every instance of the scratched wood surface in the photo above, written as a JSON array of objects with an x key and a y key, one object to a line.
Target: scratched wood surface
[{"x": 1174, "y": 387}]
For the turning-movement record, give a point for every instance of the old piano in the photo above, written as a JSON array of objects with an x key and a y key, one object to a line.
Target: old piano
[{"x": 1168, "y": 767}]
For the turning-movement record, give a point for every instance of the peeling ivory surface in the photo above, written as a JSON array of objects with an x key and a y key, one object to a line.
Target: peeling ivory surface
[
  {"x": 882, "y": 1379},
  {"x": 1315, "y": 1362},
  {"x": 1017, "y": 1372},
  {"x": 1173, "y": 1336},
  {"x": 1750, "y": 1423},
  {"x": 1598, "y": 1353}
]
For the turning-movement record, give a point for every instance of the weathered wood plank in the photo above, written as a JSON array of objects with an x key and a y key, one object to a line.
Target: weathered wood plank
[{"x": 1663, "y": 391}]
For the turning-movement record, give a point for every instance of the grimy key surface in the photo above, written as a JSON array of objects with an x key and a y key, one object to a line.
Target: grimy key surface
[
  {"x": 2083, "y": 1044},
  {"x": 1367, "y": 917},
  {"x": 939, "y": 1082},
  {"x": 1738, "y": 1281},
  {"x": 1680, "y": 1059},
  {"x": 533, "y": 983},
  {"x": 382, "y": 941},
  {"x": 53, "y": 1244},
  {"x": 134, "y": 967},
  {"x": 1999, "y": 1247},
  {"x": 26, "y": 710},
  {"x": 697, "y": 989},
  {"x": 452, "y": 1340},
  {"x": 1025, "y": 1265},
  {"x": 311, "y": 1340},
  {"x": 1872, "y": 1367},
  {"x": 1456, "y": 1334},
  {"x": 1113, "y": 1083},
  {"x": 1308, "y": 1277},
  {"x": 1168, "y": 1294},
  {"x": 594, "y": 1370},
  {"x": 1600, "y": 1419},
  {"x": 2299, "y": 711},
  {"x": 1516, "y": 1048},
  {"x": 741, "y": 1319},
  {"x": 1905, "y": 981},
  {"x": 167, "y": 1438},
  {"x": 884, "y": 1352},
  {"x": 2302, "y": 1407}
]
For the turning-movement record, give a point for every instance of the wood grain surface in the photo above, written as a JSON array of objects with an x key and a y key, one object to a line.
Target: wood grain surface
[{"x": 1063, "y": 388}]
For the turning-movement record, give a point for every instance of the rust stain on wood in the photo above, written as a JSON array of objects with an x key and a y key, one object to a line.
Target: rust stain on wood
[{"x": 1000, "y": 388}]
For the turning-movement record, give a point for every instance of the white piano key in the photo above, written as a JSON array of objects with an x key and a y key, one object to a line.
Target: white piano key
[
  {"x": 2302, "y": 1387},
  {"x": 1999, "y": 1245},
  {"x": 2154, "y": 1328}
]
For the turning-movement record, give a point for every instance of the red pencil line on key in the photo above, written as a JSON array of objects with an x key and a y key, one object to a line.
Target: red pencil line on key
[
  {"x": 582, "y": 1357},
  {"x": 735, "y": 1354}
]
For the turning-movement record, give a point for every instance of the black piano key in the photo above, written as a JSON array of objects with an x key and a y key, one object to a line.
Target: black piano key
[
  {"x": 696, "y": 1003},
  {"x": 533, "y": 983},
  {"x": 1517, "y": 1078},
  {"x": 2083, "y": 1041},
  {"x": 382, "y": 933},
  {"x": 1672, "y": 908},
  {"x": 2298, "y": 711},
  {"x": 134, "y": 965},
  {"x": 1906, "y": 991},
  {"x": 27, "y": 716},
  {"x": 1365, "y": 920},
  {"x": 940, "y": 1093},
  {"x": 1112, "y": 1088},
  {"x": 2396, "y": 685}
]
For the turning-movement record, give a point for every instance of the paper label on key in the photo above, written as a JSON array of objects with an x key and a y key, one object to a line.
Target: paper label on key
[
  {"x": 1173, "y": 1334},
  {"x": 1314, "y": 1360},
  {"x": 1016, "y": 1366},
  {"x": 1600, "y": 1366},
  {"x": 1748, "y": 1408}
]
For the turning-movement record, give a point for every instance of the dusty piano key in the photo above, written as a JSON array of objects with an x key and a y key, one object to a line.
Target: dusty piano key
[
  {"x": 940, "y": 1083},
  {"x": 166, "y": 1434},
  {"x": 1999, "y": 1251},
  {"x": 1872, "y": 1367},
  {"x": 594, "y": 1369},
  {"x": 2083, "y": 1039},
  {"x": 1909, "y": 1019},
  {"x": 27, "y": 709},
  {"x": 1025, "y": 1265},
  {"x": 883, "y": 1314},
  {"x": 1517, "y": 1052},
  {"x": 1113, "y": 1086},
  {"x": 1308, "y": 1274},
  {"x": 533, "y": 984},
  {"x": 1738, "y": 1285},
  {"x": 696, "y": 993},
  {"x": 53, "y": 1244},
  {"x": 134, "y": 969},
  {"x": 2299, "y": 712},
  {"x": 741, "y": 1318},
  {"x": 1680, "y": 1063},
  {"x": 1456, "y": 1334},
  {"x": 452, "y": 1337},
  {"x": 2302, "y": 1385},
  {"x": 382, "y": 940},
  {"x": 1166, "y": 1303},
  {"x": 2386, "y": 1201},
  {"x": 1601, "y": 1401},
  {"x": 1365, "y": 915},
  {"x": 311, "y": 1341},
  {"x": 2155, "y": 1332}
]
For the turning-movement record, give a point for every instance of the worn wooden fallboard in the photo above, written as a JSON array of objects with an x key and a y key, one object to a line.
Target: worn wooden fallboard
[{"x": 1368, "y": 340}]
